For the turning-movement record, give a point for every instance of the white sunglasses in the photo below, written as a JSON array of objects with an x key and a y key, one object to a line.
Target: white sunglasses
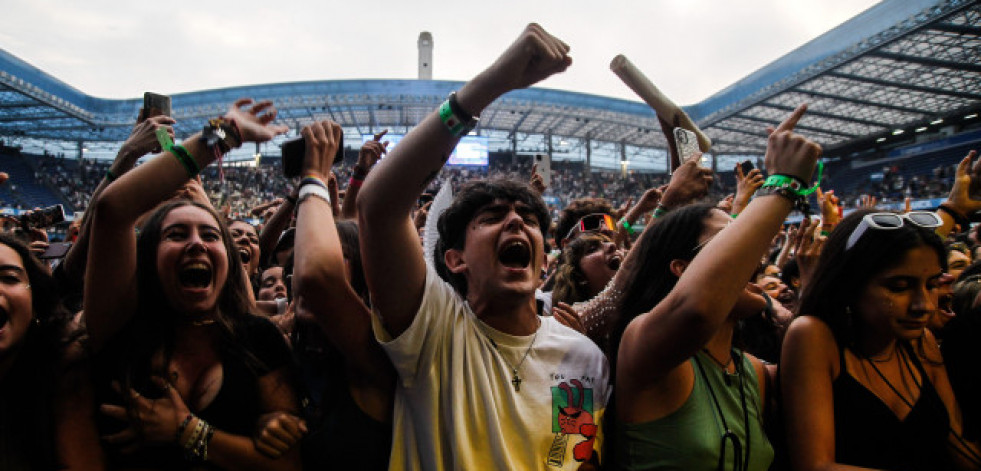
[{"x": 889, "y": 221}]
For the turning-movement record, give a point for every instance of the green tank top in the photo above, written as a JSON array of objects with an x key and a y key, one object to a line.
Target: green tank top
[{"x": 690, "y": 438}]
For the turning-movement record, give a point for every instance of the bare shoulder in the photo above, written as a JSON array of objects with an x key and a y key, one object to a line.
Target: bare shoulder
[{"x": 809, "y": 340}]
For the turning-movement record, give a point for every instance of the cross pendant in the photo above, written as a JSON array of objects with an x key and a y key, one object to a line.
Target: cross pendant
[{"x": 516, "y": 381}]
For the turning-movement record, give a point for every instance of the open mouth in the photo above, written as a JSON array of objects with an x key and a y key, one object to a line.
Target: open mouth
[
  {"x": 614, "y": 262},
  {"x": 195, "y": 275},
  {"x": 245, "y": 256},
  {"x": 515, "y": 254},
  {"x": 4, "y": 317}
]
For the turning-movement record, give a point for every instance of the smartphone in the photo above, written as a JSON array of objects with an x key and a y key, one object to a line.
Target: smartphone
[
  {"x": 747, "y": 166},
  {"x": 687, "y": 143},
  {"x": 544, "y": 162},
  {"x": 56, "y": 250},
  {"x": 293, "y": 151},
  {"x": 43, "y": 218},
  {"x": 155, "y": 104}
]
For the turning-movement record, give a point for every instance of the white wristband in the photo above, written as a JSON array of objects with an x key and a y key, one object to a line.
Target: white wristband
[{"x": 312, "y": 190}]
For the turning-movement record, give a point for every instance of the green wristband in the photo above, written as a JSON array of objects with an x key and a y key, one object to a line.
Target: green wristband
[
  {"x": 186, "y": 160},
  {"x": 110, "y": 176},
  {"x": 626, "y": 225},
  {"x": 456, "y": 126}
]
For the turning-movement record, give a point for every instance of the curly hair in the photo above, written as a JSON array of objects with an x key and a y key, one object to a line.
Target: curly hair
[{"x": 570, "y": 281}]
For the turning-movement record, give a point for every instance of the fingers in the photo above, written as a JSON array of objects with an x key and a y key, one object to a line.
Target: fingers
[
  {"x": 242, "y": 102},
  {"x": 127, "y": 435},
  {"x": 739, "y": 172},
  {"x": 114, "y": 411},
  {"x": 792, "y": 120},
  {"x": 819, "y": 193},
  {"x": 380, "y": 135}
]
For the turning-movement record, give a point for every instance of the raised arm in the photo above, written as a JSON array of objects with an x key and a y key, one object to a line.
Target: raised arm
[
  {"x": 393, "y": 261},
  {"x": 319, "y": 280},
  {"x": 141, "y": 141},
  {"x": 658, "y": 341},
  {"x": 368, "y": 156},
  {"x": 110, "y": 288}
]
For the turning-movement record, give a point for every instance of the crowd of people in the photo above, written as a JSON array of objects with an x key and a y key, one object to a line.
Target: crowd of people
[{"x": 365, "y": 325}]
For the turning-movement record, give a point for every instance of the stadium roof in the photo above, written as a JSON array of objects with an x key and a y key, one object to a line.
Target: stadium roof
[{"x": 900, "y": 65}]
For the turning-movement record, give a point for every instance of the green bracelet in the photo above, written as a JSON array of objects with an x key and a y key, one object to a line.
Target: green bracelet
[
  {"x": 110, "y": 176},
  {"x": 452, "y": 122},
  {"x": 659, "y": 211},
  {"x": 626, "y": 225},
  {"x": 186, "y": 160}
]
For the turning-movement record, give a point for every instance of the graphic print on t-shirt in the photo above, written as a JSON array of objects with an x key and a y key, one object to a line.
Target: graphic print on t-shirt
[{"x": 572, "y": 414}]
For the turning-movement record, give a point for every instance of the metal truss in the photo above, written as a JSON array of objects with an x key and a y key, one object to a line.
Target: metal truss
[{"x": 925, "y": 65}]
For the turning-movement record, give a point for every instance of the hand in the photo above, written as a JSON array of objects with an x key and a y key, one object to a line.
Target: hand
[
  {"x": 868, "y": 202},
  {"x": 967, "y": 177},
  {"x": 157, "y": 420},
  {"x": 725, "y": 204},
  {"x": 689, "y": 182},
  {"x": 829, "y": 207},
  {"x": 38, "y": 247},
  {"x": 624, "y": 208},
  {"x": 537, "y": 183},
  {"x": 533, "y": 57},
  {"x": 265, "y": 206},
  {"x": 322, "y": 140},
  {"x": 277, "y": 432},
  {"x": 142, "y": 139},
  {"x": 809, "y": 246},
  {"x": 372, "y": 151},
  {"x": 194, "y": 191},
  {"x": 568, "y": 317},
  {"x": 746, "y": 186},
  {"x": 648, "y": 201},
  {"x": 419, "y": 220},
  {"x": 791, "y": 154},
  {"x": 4, "y": 177},
  {"x": 255, "y": 123}
]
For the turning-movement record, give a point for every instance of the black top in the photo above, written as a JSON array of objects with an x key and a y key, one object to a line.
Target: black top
[
  {"x": 868, "y": 433},
  {"x": 962, "y": 351},
  {"x": 341, "y": 435},
  {"x": 235, "y": 409}
]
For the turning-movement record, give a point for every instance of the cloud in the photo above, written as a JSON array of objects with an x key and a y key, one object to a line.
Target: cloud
[{"x": 691, "y": 49}]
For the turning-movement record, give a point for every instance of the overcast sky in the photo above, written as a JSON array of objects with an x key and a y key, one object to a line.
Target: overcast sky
[{"x": 119, "y": 49}]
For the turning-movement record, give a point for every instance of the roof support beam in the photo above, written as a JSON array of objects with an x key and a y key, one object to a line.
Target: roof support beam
[
  {"x": 928, "y": 61},
  {"x": 859, "y": 101},
  {"x": 755, "y": 135},
  {"x": 956, "y": 29},
  {"x": 906, "y": 86},
  {"x": 838, "y": 117},
  {"x": 775, "y": 123},
  {"x": 519, "y": 122}
]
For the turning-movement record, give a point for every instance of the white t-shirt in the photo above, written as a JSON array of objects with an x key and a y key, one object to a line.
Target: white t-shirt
[{"x": 456, "y": 406}]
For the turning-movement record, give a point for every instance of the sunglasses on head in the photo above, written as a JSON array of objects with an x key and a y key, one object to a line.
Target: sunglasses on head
[
  {"x": 595, "y": 222},
  {"x": 890, "y": 221}
]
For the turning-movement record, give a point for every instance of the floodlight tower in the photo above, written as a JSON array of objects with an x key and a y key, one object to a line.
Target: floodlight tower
[{"x": 425, "y": 56}]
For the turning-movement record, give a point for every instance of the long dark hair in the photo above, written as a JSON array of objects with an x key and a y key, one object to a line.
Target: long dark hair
[
  {"x": 28, "y": 389},
  {"x": 842, "y": 275},
  {"x": 648, "y": 271},
  {"x": 153, "y": 328},
  {"x": 347, "y": 232}
]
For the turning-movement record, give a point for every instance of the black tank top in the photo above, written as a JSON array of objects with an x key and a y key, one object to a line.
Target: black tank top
[{"x": 868, "y": 433}]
